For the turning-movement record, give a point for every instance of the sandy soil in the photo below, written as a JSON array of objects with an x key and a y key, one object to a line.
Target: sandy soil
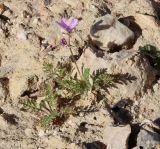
[{"x": 29, "y": 34}]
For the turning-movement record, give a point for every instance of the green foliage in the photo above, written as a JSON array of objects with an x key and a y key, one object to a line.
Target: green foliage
[
  {"x": 48, "y": 68},
  {"x": 81, "y": 86},
  {"x": 102, "y": 81},
  {"x": 85, "y": 75},
  {"x": 48, "y": 106},
  {"x": 51, "y": 98},
  {"x": 74, "y": 85},
  {"x": 152, "y": 54},
  {"x": 55, "y": 73},
  {"x": 52, "y": 107},
  {"x": 48, "y": 119},
  {"x": 31, "y": 104}
]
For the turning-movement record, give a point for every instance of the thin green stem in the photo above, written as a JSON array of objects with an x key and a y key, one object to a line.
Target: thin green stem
[{"x": 73, "y": 58}]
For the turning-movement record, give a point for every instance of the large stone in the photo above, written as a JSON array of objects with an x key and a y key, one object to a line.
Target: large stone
[
  {"x": 107, "y": 33},
  {"x": 150, "y": 103},
  {"x": 148, "y": 136},
  {"x": 116, "y": 137}
]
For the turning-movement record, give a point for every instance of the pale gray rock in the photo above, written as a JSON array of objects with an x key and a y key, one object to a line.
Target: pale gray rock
[
  {"x": 5, "y": 71},
  {"x": 116, "y": 137},
  {"x": 107, "y": 32},
  {"x": 151, "y": 102},
  {"x": 22, "y": 35},
  {"x": 148, "y": 136}
]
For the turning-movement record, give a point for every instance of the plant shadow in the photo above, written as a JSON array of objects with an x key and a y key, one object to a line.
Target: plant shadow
[
  {"x": 133, "y": 26},
  {"x": 156, "y": 7},
  {"x": 95, "y": 145},
  {"x": 117, "y": 78},
  {"x": 10, "y": 118},
  {"x": 157, "y": 122},
  {"x": 121, "y": 112}
]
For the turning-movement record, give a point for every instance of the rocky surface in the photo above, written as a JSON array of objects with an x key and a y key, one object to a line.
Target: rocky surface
[
  {"x": 30, "y": 37},
  {"x": 108, "y": 33},
  {"x": 133, "y": 70},
  {"x": 148, "y": 136},
  {"x": 117, "y": 137}
]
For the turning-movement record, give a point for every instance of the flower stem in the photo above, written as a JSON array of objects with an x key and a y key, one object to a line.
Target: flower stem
[{"x": 73, "y": 58}]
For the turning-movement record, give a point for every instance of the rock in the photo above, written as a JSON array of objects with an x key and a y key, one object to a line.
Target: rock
[
  {"x": 47, "y": 2},
  {"x": 41, "y": 133},
  {"x": 28, "y": 132},
  {"x": 149, "y": 136},
  {"x": 21, "y": 63},
  {"x": 22, "y": 35},
  {"x": 107, "y": 33},
  {"x": 116, "y": 137},
  {"x": 36, "y": 21},
  {"x": 3, "y": 123},
  {"x": 24, "y": 84},
  {"x": 130, "y": 8},
  {"x": 132, "y": 70},
  {"x": 150, "y": 103},
  {"x": 59, "y": 143},
  {"x": 4, "y": 71},
  {"x": 8, "y": 13},
  {"x": 146, "y": 21},
  {"x": 17, "y": 86}
]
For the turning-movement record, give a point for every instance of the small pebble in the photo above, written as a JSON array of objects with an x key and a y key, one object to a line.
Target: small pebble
[
  {"x": 140, "y": 116},
  {"x": 28, "y": 132},
  {"x": 8, "y": 13},
  {"x": 81, "y": 114},
  {"x": 136, "y": 103},
  {"x": 22, "y": 35},
  {"x": 41, "y": 133},
  {"x": 36, "y": 21},
  {"x": 47, "y": 2}
]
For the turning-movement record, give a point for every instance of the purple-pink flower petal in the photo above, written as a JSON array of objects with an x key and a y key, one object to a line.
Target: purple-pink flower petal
[
  {"x": 64, "y": 26},
  {"x": 74, "y": 23},
  {"x": 65, "y": 21},
  {"x": 68, "y": 25}
]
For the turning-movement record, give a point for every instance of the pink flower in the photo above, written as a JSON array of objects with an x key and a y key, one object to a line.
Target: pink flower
[{"x": 68, "y": 25}]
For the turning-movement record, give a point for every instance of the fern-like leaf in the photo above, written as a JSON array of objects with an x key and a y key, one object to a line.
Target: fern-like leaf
[
  {"x": 51, "y": 97},
  {"x": 152, "y": 54},
  {"x": 48, "y": 68},
  {"x": 86, "y": 75},
  {"x": 48, "y": 119},
  {"x": 31, "y": 104},
  {"x": 102, "y": 81}
]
